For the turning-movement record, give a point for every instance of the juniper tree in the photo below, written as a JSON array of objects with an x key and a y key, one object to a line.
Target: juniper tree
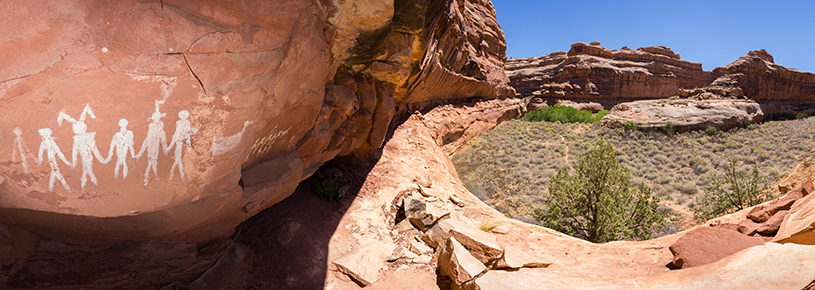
[{"x": 597, "y": 202}]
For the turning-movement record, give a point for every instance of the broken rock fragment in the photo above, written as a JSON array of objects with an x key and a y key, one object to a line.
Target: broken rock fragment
[
  {"x": 482, "y": 245},
  {"x": 514, "y": 258},
  {"x": 457, "y": 263},
  {"x": 363, "y": 263}
]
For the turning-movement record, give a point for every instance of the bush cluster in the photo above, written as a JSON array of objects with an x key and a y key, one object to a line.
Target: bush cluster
[{"x": 563, "y": 114}]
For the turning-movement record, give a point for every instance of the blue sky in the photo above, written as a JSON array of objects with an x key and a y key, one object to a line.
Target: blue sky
[{"x": 710, "y": 32}]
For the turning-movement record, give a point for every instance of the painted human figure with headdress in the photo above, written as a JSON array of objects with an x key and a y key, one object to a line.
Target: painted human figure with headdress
[
  {"x": 153, "y": 143},
  {"x": 84, "y": 144}
]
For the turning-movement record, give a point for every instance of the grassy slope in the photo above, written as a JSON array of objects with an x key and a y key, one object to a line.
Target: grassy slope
[{"x": 510, "y": 166}]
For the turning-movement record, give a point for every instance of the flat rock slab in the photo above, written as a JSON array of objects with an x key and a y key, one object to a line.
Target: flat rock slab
[
  {"x": 482, "y": 245},
  {"x": 706, "y": 245},
  {"x": 685, "y": 114},
  {"x": 363, "y": 263}
]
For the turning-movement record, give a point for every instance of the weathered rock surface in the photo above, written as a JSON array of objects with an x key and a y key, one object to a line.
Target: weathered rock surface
[
  {"x": 686, "y": 114},
  {"x": 763, "y": 80},
  {"x": 457, "y": 263},
  {"x": 364, "y": 263},
  {"x": 798, "y": 225},
  {"x": 245, "y": 100},
  {"x": 589, "y": 71},
  {"x": 705, "y": 245}
]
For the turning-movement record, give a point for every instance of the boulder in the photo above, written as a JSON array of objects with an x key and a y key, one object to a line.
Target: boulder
[
  {"x": 706, "y": 245},
  {"x": 415, "y": 212},
  {"x": 364, "y": 262},
  {"x": 771, "y": 226},
  {"x": 457, "y": 263},
  {"x": 535, "y": 103},
  {"x": 588, "y": 106},
  {"x": 748, "y": 227},
  {"x": 685, "y": 114}
]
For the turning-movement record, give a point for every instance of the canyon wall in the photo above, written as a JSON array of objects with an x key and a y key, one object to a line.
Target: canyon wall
[
  {"x": 763, "y": 80},
  {"x": 144, "y": 132},
  {"x": 589, "y": 71}
]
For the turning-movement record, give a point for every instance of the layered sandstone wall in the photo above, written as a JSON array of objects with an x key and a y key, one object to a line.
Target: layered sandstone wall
[
  {"x": 132, "y": 122},
  {"x": 763, "y": 80},
  {"x": 589, "y": 71}
]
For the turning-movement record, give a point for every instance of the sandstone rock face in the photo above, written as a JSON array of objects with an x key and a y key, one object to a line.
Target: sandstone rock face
[
  {"x": 573, "y": 264},
  {"x": 686, "y": 114},
  {"x": 706, "y": 245},
  {"x": 798, "y": 225},
  {"x": 764, "y": 81},
  {"x": 589, "y": 71},
  {"x": 177, "y": 120}
]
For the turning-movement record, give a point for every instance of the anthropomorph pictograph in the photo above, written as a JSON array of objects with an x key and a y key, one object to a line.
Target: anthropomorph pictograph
[
  {"x": 122, "y": 142},
  {"x": 49, "y": 146},
  {"x": 21, "y": 151},
  {"x": 156, "y": 138},
  {"x": 84, "y": 144},
  {"x": 180, "y": 137}
]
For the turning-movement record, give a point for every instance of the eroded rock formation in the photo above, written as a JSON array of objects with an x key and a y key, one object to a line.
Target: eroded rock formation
[
  {"x": 686, "y": 114},
  {"x": 589, "y": 71},
  {"x": 763, "y": 80},
  {"x": 133, "y": 126}
]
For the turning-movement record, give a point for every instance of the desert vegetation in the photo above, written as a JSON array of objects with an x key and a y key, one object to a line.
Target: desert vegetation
[
  {"x": 563, "y": 114},
  {"x": 511, "y": 166},
  {"x": 597, "y": 202}
]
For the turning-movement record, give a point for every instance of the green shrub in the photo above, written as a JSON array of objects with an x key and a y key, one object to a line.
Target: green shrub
[
  {"x": 747, "y": 123},
  {"x": 712, "y": 131},
  {"x": 802, "y": 115},
  {"x": 562, "y": 114},
  {"x": 669, "y": 128},
  {"x": 598, "y": 203},
  {"x": 327, "y": 189},
  {"x": 734, "y": 191},
  {"x": 630, "y": 126}
]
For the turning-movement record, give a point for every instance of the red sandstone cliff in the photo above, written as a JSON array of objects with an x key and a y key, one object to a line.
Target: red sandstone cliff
[
  {"x": 589, "y": 71},
  {"x": 764, "y": 81}
]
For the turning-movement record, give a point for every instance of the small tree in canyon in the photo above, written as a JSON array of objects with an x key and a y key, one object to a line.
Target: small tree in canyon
[{"x": 598, "y": 203}]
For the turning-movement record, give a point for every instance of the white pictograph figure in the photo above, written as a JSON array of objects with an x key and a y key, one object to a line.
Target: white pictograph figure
[
  {"x": 84, "y": 144},
  {"x": 53, "y": 151},
  {"x": 223, "y": 144},
  {"x": 181, "y": 136},
  {"x": 156, "y": 138},
  {"x": 21, "y": 150},
  {"x": 122, "y": 142}
]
